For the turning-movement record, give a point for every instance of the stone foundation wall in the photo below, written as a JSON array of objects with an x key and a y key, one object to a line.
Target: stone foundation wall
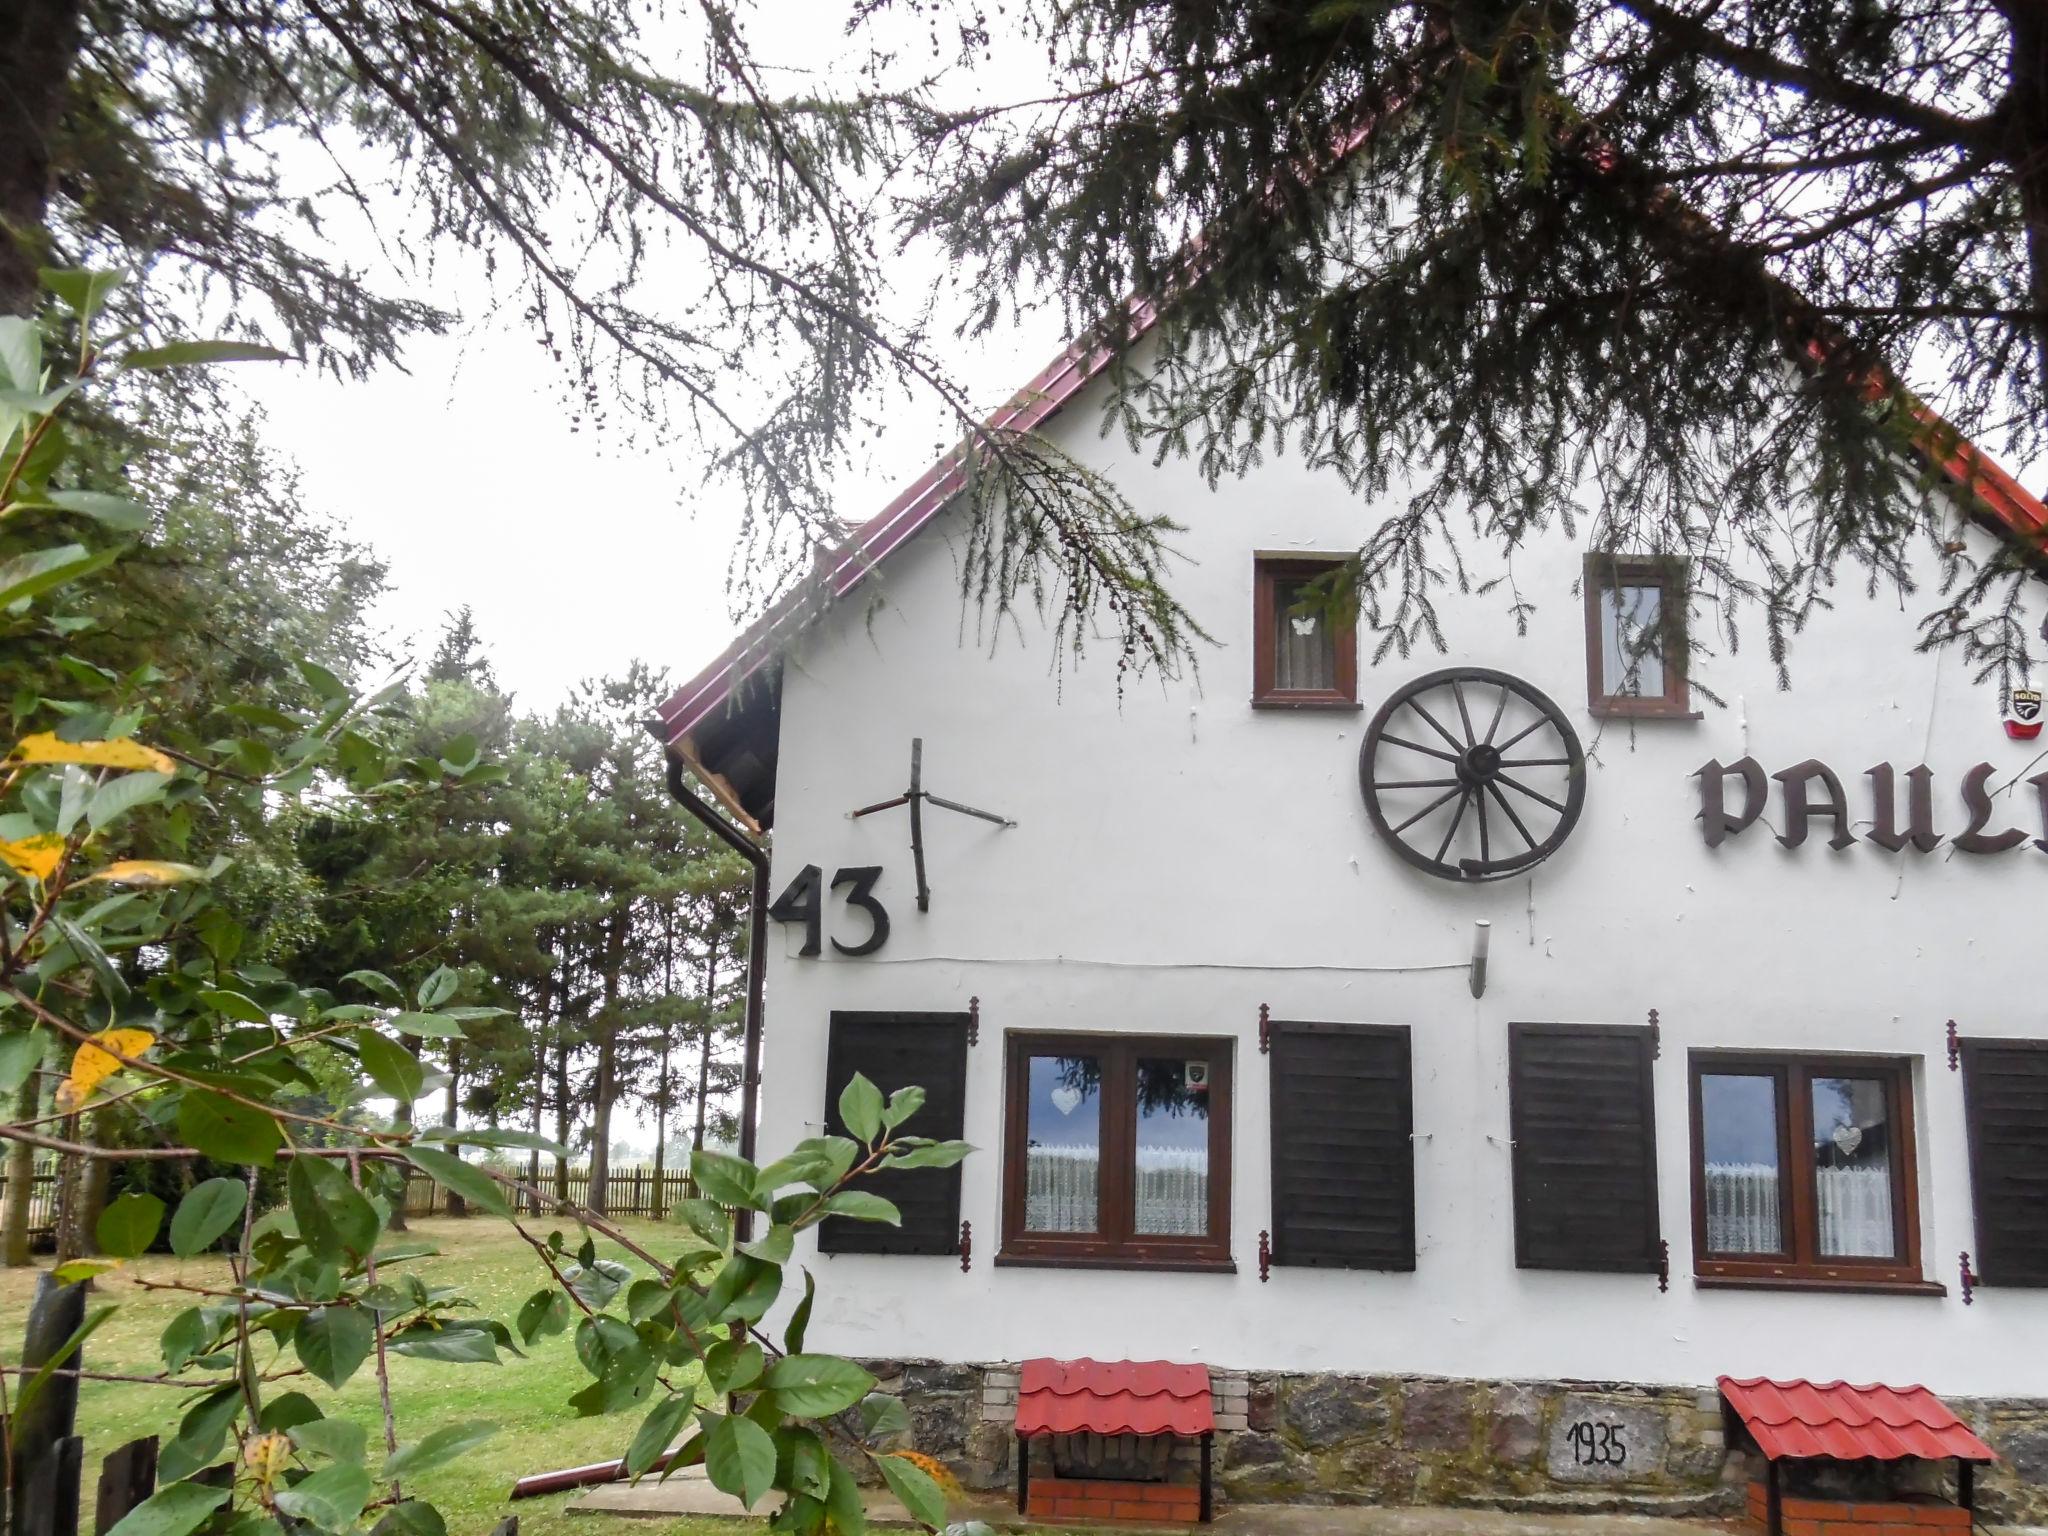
[{"x": 1328, "y": 1439}]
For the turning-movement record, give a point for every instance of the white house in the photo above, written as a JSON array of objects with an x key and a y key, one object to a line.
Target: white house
[{"x": 1207, "y": 1005}]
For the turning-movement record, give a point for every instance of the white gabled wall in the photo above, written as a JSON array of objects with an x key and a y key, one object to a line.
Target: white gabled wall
[{"x": 1181, "y": 858}]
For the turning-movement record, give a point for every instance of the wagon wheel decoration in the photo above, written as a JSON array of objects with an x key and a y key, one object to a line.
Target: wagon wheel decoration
[{"x": 1471, "y": 774}]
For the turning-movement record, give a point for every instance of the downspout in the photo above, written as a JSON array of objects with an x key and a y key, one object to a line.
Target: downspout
[{"x": 757, "y": 947}]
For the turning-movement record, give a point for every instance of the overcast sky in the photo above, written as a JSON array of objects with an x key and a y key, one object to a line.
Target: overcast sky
[{"x": 577, "y": 551}]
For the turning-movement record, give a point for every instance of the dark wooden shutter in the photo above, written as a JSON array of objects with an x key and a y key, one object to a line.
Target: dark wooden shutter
[
  {"x": 2005, "y": 1100},
  {"x": 1585, "y": 1156},
  {"x": 1343, "y": 1149},
  {"x": 896, "y": 1050}
]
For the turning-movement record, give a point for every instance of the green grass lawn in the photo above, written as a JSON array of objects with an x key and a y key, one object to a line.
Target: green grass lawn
[{"x": 526, "y": 1399}]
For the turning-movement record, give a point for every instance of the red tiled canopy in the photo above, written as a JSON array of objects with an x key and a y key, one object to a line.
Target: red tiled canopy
[
  {"x": 1113, "y": 1397},
  {"x": 1804, "y": 1418}
]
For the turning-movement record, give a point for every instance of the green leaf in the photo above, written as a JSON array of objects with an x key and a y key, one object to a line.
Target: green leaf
[
  {"x": 123, "y": 514},
  {"x": 937, "y": 1154},
  {"x": 800, "y": 1319},
  {"x": 329, "y": 1500},
  {"x": 439, "y": 987},
  {"x": 82, "y": 1269},
  {"x": 334, "y": 1341},
  {"x": 391, "y": 1066},
  {"x": 733, "y": 1367},
  {"x": 726, "y": 1179},
  {"x": 739, "y": 1458},
  {"x": 21, "y": 352},
  {"x": 882, "y": 1414},
  {"x": 288, "y": 1410},
  {"x": 436, "y": 1448},
  {"x": 903, "y": 1103},
  {"x": 859, "y": 1205},
  {"x": 843, "y": 1502},
  {"x": 860, "y": 1109},
  {"x": 817, "y": 1386},
  {"x": 205, "y": 1215},
  {"x": 31, "y": 575},
  {"x": 21, "y": 1052},
  {"x": 172, "y": 1511},
  {"x": 322, "y": 681},
  {"x": 544, "y": 1312},
  {"x": 334, "y": 1218},
  {"x": 437, "y": 1026},
  {"x": 226, "y": 1131},
  {"x": 337, "y": 1439},
  {"x": 658, "y": 1431},
  {"x": 200, "y": 1433},
  {"x": 488, "y": 1138},
  {"x": 915, "y": 1490},
  {"x": 411, "y": 1517},
  {"x": 465, "y": 1179},
  {"x": 181, "y": 354},
  {"x": 129, "y": 1225},
  {"x": 81, "y": 290},
  {"x": 377, "y": 982},
  {"x": 234, "y": 1005},
  {"x": 117, "y": 797},
  {"x": 773, "y": 1247},
  {"x": 457, "y": 1346}
]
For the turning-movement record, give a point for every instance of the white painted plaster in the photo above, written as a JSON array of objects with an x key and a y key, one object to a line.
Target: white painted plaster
[{"x": 1181, "y": 859}]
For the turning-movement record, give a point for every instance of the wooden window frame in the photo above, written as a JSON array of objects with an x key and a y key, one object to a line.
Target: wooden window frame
[
  {"x": 1116, "y": 1245},
  {"x": 1268, "y": 571},
  {"x": 1802, "y": 1266},
  {"x": 1668, "y": 574}
]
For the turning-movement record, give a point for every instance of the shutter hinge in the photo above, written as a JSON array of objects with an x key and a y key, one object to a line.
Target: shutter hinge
[
  {"x": 974, "y": 1021},
  {"x": 1955, "y": 1048},
  {"x": 1265, "y": 1257},
  {"x": 1970, "y": 1278},
  {"x": 966, "y": 1246},
  {"x": 1265, "y": 1030},
  {"x": 1663, "y": 1264},
  {"x": 1656, "y": 1036}
]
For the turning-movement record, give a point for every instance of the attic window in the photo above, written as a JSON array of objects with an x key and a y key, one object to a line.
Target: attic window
[
  {"x": 1636, "y": 644},
  {"x": 1303, "y": 655}
]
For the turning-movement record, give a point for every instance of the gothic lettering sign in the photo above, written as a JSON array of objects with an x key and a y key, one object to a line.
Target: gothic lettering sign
[{"x": 1814, "y": 803}]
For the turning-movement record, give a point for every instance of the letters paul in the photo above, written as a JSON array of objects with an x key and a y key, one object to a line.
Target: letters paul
[{"x": 1733, "y": 796}]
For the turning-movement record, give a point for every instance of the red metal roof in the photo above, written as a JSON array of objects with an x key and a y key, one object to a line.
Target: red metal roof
[
  {"x": 1833, "y": 1419},
  {"x": 1113, "y": 1397}
]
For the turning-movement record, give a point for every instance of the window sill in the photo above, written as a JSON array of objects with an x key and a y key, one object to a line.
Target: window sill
[
  {"x": 1281, "y": 701},
  {"x": 1819, "y": 1284},
  {"x": 1007, "y": 1260},
  {"x": 1612, "y": 711}
]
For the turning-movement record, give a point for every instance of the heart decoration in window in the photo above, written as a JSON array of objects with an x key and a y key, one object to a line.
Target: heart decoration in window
[{"x": 1065, "y": 1098}]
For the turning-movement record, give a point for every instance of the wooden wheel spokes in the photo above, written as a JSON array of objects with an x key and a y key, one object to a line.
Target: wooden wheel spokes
[{"x": 1494, "y": 811}]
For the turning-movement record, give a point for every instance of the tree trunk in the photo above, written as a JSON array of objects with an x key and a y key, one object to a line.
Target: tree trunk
[
  {"x": 546, "y": 990},
  {"x": 450, "y": 1104},
  {"x": 562, "y": 1116},
  {"x": 708, "y": 1025},
  {"x": 606, "y": 1087},
  {"x": 93, "y": 1182},
  {"x": 668, "y": 989},
  {"x": 21, "y": 1174},
  {"x": 71, "y": 1236},
  {"x": 39, "y": 43},
  {"x": 2026, "y": 151},
  {"x": 402, "y": 1119}
]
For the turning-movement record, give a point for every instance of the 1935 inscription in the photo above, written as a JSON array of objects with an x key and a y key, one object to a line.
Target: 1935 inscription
[{"x": 1597, "y": 1443}]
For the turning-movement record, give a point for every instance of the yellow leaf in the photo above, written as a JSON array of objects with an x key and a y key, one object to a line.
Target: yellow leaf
[
  {"x": 45, "y": 747},
  {"x": 267, "y": 1457},
  {"x": 146, "y": 872},
  {"x": 93, "y": 1065},
  {"x": 36, "y": 856}
]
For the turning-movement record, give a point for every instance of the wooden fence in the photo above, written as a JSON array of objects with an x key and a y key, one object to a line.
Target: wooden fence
[{"x": 633, "y": 1189}]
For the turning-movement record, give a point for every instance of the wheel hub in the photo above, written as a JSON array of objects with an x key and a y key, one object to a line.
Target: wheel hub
[{"x": 1479, "y": 765}]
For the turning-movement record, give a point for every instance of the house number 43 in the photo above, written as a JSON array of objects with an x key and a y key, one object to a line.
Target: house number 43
[{"x": 804, "y": 902}]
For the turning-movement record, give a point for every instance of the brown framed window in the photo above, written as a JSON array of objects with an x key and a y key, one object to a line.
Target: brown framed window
[
  {"x": 1636, "y": 641},
  {"x": 1803, "y": 1171},
  {"x": 1303, "y": 657},
  {"x": 1117, "y": 1151}
]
